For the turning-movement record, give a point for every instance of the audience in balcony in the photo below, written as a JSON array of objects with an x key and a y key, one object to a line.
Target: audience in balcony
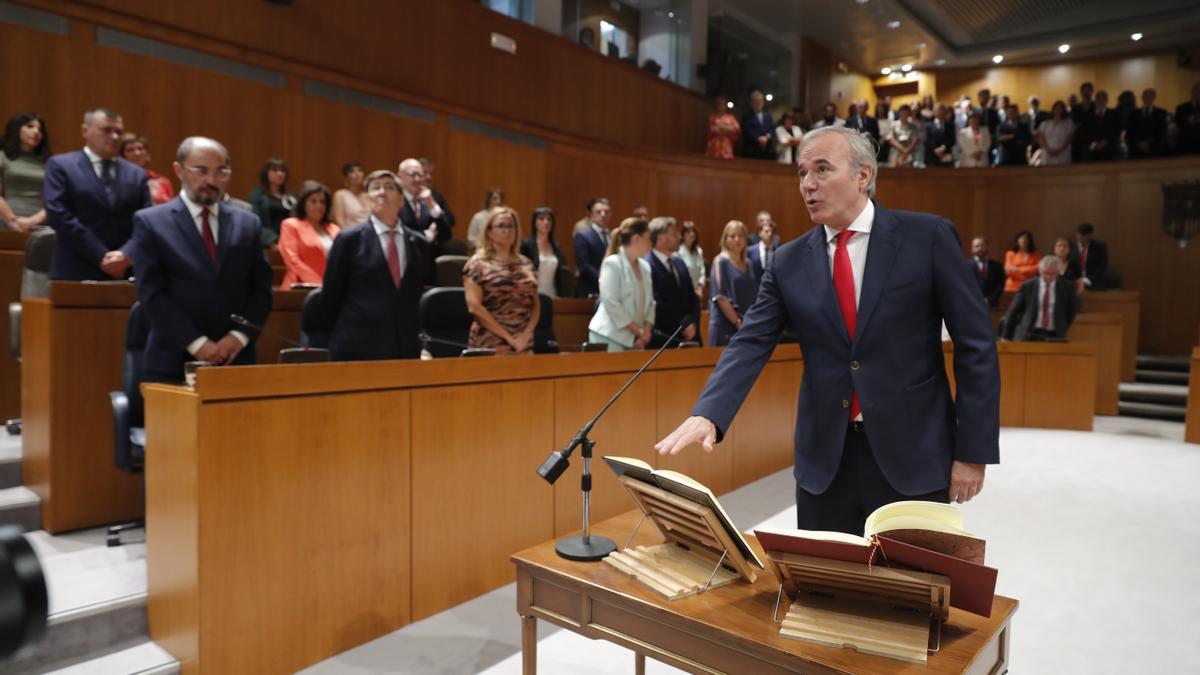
[
  {"x": 758, "y": 129},
  {"x": 1187, "y": 121},
  {"x": 1146, "y": 132},
  {"x": 723, "y": 130},
  {"x": 829, "y": 118},
  {"x": 1021, "y": 262},
  {"x": 902, "y": 139},
  {"x": 1013, "y": 139},
  {"x": 860, "y": 120},
  {"x": 306, "y": 237},
  {"x": 940, "y": 137},
  {"x": 974, "y": 143},
  {"x": 787, "y": 139},
  {"x": 624, "y": 318},
  {"x": 351, "y": 204},
  {"x": 501, "y": 287},
  {"x": 23, "y": 154},
  {"x": 271, "y": 200},
  {"x": 547, "y": 258},
  {"x": 1055, "y": 136}
]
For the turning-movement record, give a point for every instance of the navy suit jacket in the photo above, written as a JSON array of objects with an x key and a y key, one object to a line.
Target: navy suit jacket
[
  {"x": 672, "y": 300},
  {"x": 1022, "y": 313},
  {"x": 751, "y": 130},
  {"x": 755, "y": 256},
  {"x": 589, "y": 253},
  {"x": 445, "y": 222},
  {"x": 370, "y": 318},
  {"x": 185, "y": 295},
  {"x": 915, "y": 278},
  {"x": 87, "y": 225}
]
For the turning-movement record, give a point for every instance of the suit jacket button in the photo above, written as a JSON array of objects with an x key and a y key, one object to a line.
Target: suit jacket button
[
  {"x": 854, "y": 365},
  {"x": 845, "y": 403}
]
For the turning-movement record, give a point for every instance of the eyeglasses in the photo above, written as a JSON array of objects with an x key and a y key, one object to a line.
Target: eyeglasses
[
  {"x": 380, "y": 188},
  {"x": 504, "y": 226},
  {"x": 222, "y": 173}
]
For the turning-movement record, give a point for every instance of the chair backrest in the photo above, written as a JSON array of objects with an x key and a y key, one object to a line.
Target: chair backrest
[
  {"x": 564, "y": 280},
  {"x": 544, "y": 341},
  {"x": 137, "y": 330},
  {"x": 14, "y": 329},
  {"x": 314, "y": 328},
  {"x": 457, "y": 247},
  {"x": 449, "y": 269},
  {"x": 39, "y": 251},
  {"x": 443, "y": 315}
]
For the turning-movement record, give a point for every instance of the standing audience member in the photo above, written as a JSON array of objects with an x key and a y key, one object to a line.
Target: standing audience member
[
  {"x": 493, "y": 198},
  {"x": 861, "y": 121},
  {"x": 1092, "y": 257},
  {"x": 1021, "y": 263},
  {"x": 990, "y": 117},
  {"x": 757, "y": 129},
  {"x": 903, "y": 139},
  {"x": 988, "y": 272},
  {"x": 829, "y": 118},
  {"x": 1068, "y": 265},
  {"x": 1055, "y": 135},
  {"x": 90, "y": 197},
  {"x": 351, "y": 204},
  {"x": 591, "y": 243},
  {"x": 136, "y": 149},
  {"x": 759, "y": 254},
  {"x": 763, "y": 219},
  {"x": 1013, "y": 139},
  {"x": 974, "y": 140},
  {"x": 732, "y": 285},
  {"x": 374, "y": 278},
  {"x": 501, "y": 287},
  {"x": 693, "y": 256},
  {"x": 24, "y": 150},
  {"x": 641, "y": 211},
  {"x": 1146, "y": 132},
  {"x": 430, "y": 170},
  {"x": 1187, "y": 120},
  {"x": 787, "y": 137},
  {"x": 198, "y": 261},
  {"x": 940, "y": 135},
  {"x": 1043, "y": 308},
  {"x": 547, "y": 258},
  {"x": 723, "y": 130},
  {"x": 421, "y": 211},
  {"x": 1033, "y": 119},
  {"x": 1081, "y": 111},
  {"x": 271, "y": 200},
  {"x": 624, "y": 319},
  {"x": 306, "y": 237},
  {"x": 884, "y": 117},
  {"x": 674, "y": 295},
  {"x": 1101, "y": 130}
]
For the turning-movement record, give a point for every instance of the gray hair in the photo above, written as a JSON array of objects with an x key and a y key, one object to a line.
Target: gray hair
[
  {"x": 192, "y": 143},
  {"x": 864, "y": 150},
  {"x": 658, "y": 226},
  {"x": 1050, "y": 261},
  {"x": 90, "y": 115}
]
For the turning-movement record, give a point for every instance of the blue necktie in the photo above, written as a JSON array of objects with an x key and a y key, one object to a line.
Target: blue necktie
[{"x": 108, "y": 180}]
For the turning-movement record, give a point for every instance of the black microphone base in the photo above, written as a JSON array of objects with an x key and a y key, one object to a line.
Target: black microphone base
[{"x": 575, "y": 548}]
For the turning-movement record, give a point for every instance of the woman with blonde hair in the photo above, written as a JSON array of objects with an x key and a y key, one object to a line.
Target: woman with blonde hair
[
  {"x": 732, "y": 285},
  {"x": 501, "y": 287},
  {"x": 625, "y": 318}
]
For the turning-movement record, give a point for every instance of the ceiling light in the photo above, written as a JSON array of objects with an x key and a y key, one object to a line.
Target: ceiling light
[
  {"x": 885, "y": 71},
  {"x": 1135, "y": 37},
  {"x": 940, "y": 62},
  {"x": 1064, "y": 48},
  {"x": 862, "y": 2},
  {"x": 893, "y": 24},
  {"x": 906, "y": 67},
  {"x": 729, "y": 104},
  {"x": 670, "y": 15},
  {"x": 921, "y": 45},
  {"x": 770, "y": 97},
  {"x": 997, "y": 58}
]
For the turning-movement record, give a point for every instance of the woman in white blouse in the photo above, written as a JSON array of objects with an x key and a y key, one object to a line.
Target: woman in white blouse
[
  {"x": 625, "y": 318},
  {"x": 491, "y": 199},
  {"x": 693, "y": 256},
  {"x": 974, "y": 142},
  {"x": 546, "y": 256},
  {"x": 787, "y": 139},
  {"x": 1055, "y": 135}
]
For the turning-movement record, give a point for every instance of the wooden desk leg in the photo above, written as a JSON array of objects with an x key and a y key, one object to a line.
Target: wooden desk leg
[
  {"x": 529, "y": 645},
  {"x": 639, "y": 663}
]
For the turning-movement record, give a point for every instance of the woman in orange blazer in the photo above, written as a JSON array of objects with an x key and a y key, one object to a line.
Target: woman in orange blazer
[
  {"x": 1021, "y": 263},
  {"x": 305, "y": 238}
]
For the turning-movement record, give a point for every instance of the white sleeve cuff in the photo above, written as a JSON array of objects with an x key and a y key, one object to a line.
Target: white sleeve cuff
[
  {"x": 241, "y": 337},
  {"x": 436, "y": 211},
  {"x": 195, "y": 345}
]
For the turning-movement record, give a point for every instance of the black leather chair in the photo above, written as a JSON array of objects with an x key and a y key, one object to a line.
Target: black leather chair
[
  {"x": 39, "y": 252},
  {"x": 544, "y": 341},
  {"x": 14, "y": 347},
  {"x": 448, "y": 269},
  {"x": 129, "y": 429},
  {"x": 457, "y": 247},
  {"x": 444, "y": 317},
  {"x": 314, "y": 328}
]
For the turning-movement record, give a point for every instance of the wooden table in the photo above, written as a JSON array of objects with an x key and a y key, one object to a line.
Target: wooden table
[
  {"x": 12, "y": 261},
  {"x": 724, "y": 630},
  {"x": 1191, "y": 433}
]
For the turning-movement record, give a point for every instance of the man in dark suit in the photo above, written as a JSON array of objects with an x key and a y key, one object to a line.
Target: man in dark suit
[
  {"x": 940, "y": 137},
  {"x": 1101, "y": 131},
  {"x": 420, "y": 210},
  {"x": 991, "y": 116},
  {"x": 861, "y": 121},
  {"x": 1147, "y": 128},
  {"x": 373, "y": 281},
  {"x": 1043, "y": 308},
  {"x": 1033, "y": 119},
  {"x": 1092, "y": 257},
  {"x": 198, "y": 261},
  {"x": 674, "y": 295},
  {"x": 988, "y": 272},
  {"x": 90, "y": 197},
  {"x": 763, "y": 219},
  {"x": 758, "y": 129},
  {"x": 430, "y": 170},
  {"x": 591, "y": 245},
  {"x": 760, "y": 252},
  {"x": 1081, "y": 110},
  {"x": 1187, "y": 119},
  {"x": 866, "y": 293},
  {"x": 1013, "y": 139}
]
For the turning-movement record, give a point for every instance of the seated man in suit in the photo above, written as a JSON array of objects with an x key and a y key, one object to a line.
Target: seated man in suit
[
  {"x": 1044, "y": 307},
  {"x": 761, "y": 251},
  {"x": 990, "y": 273},
  {"x": 90, "y": 197},
  {"x": 591, "y": 245},
  {"x": 758, "y": 129},
  {"x": 420, "y": 211},
  {"x": 674, "y": 295},
  {"x": 1092, "y": 256},
  {"x": 374, "y": 278},
  {"x": 198, "y": 261}
]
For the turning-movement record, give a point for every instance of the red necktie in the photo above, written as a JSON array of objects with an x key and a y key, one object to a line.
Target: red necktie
[
  {"x": 206, "y": 234},
  {"x": 843, "y": 285},
  {"x": 1045, "y": 323},
  {"x": 1083, "y": 260},
  {"x": 393, "y": 258}
]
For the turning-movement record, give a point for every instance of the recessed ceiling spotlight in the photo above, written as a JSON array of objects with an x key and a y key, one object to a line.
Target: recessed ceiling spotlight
[
  {"x": 862, "y": 2},
  {"x": 1135, "y": 37},
  {"x": 885, "y": 71},
  {"x": 770, "y": 97},
  {"x": 940, "y": 62},
  {"x": 670, "y": 15},
  {"x": 921, "y": 45},
  {"x": 906, "y": 67},
  {"x": 729, "y": 104},
  {"x": 893, "y": 24},
  {"x": 1064, "y": 48},
  {"x": 997, "y": 58}
]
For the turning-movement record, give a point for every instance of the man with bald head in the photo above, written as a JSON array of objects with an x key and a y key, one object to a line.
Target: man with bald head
[
  {"x": 197, "y": 261},
  {"x": 420, "y": 210},
  {"x": 865, "y": 292}
]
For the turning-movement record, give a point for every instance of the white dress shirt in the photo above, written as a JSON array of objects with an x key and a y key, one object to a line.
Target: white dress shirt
[
  {"x": 1048, "y": 309},
  {"x": 546, "y": 271},
  {"x": 666, "y": 261},
  {"x": 435, "y": 212},
  {"x": 195, "y": 210},
  {"x": 856, "y": 246},
  {"x": 382, "y": 230},
  {"x": 602, "y": 231},
  {"x": 96, "y": 161}
]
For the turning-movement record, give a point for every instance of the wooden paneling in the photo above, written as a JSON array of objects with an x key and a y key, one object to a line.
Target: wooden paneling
[
  {"x": 1104, "y": 331},
  {"x": 677, "y": 393},
  {"x": 1058, "y": 390},
  {"x": 284, "y": 320},
  {"x": 764, "y": 431},
  {"x": 12, "y": 260},
  {"x": 475, "y": 493},
  {"x": 1191, "y": 432},
  {"x": 1012, "y": 386},
  {"x": 1127, "y": 306}
]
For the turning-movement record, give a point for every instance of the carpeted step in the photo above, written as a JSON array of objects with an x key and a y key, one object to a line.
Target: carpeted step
[
  {"x": 1161, "y": 376},
  {"x": 20, "y": 506},
  {"x": 1154, "y": 410},
  {"x": 1146, "y": 392},
  {"x": 1179, "y": 364}
]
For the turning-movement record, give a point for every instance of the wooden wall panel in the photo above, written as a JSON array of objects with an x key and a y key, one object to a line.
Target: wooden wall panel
[
  {"x": 1191, "y": 432},
  {"x": 1051, "y": 380},
  {"x": 1104, "y": 331}
]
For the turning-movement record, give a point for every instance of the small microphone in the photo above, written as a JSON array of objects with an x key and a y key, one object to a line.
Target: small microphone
[{"x": 243, "y": 321}]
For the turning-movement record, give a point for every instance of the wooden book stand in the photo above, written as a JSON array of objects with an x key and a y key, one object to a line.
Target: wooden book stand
[
  {"x": 698, "y": 553},
  {"x": 873, "y": 609}
]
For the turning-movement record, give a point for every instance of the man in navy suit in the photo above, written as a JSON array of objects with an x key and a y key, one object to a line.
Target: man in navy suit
[
  {"x": 1044, "y": 307},
  {"x": 421, "y": 211},
  {"x": 866, "y": 292},
  {"x": 989, "y": 273},
  {"x": 1146, "y": 130},
  {"x": 198, "y": 261},
  {"x": 674, "y": 294},
  {"x": 90, "y": 197},
  {"x": 373, "y": 282},
  {"x": 591, "y": 245},
  {"x": 758, "y": 129},
  {"x": 765, "y": 247}
]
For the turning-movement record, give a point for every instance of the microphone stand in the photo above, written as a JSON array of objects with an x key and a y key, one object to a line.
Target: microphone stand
[{"x": 585, "y": 547}]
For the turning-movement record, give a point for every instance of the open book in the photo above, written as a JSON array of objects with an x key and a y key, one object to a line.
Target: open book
[
  {"x": 687, "y": 488},
  {"x": 927, "y": 536}
]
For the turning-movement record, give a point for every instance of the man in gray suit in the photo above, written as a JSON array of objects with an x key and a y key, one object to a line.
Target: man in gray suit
[{"x": 1043, "y": 308}]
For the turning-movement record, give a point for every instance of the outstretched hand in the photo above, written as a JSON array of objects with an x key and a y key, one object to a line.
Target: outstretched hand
[{"x": 693, "y": 430}]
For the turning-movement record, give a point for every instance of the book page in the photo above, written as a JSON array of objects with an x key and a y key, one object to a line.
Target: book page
[
  {"x": 632, "y": 467},
  {"x": 915, "y": 515}
]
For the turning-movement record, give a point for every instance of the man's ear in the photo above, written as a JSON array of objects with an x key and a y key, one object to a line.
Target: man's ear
[{"x": 178, "y": 170}]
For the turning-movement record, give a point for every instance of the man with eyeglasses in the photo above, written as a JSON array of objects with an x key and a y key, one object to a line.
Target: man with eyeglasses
[
  {"x": 197, "y": 261},
  {"x": 90, "y": 196},
  {"x": 419, "y": 210}
]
